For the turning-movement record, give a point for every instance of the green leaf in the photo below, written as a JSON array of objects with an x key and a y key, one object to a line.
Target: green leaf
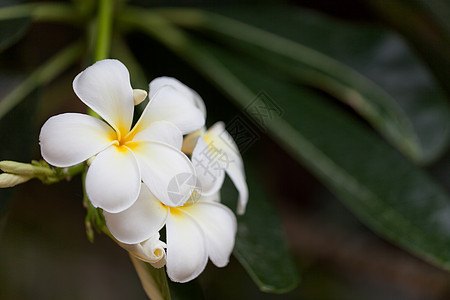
[
  {"x": 438, "y": 11},
  {"x": 388, "y": 193},
  {"x": 11, "y": 31},
  {"x": 60, "y": 12},
  {"x": 369, "y": 69},
  {"x": 260, "y": 243},
  {"x": 44, "y": 74},
  {"x": 154, "y": 281},
  {"x": 425, "y": 24}
]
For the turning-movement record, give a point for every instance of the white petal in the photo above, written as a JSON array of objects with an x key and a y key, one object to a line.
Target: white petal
[
  {"x": 69, "y": 139},
  {"x": 161, "y": 131},
  {"x": 150, "y": 250},
  {"x": 219, "y": 136},
  {"x": 167, "y": 172},
  {"x": 105, "y": 87},
  {"x": 140, "y": 221},
  {"x": 231, "y": 161},
  {"x": 159, "y": 82},
  {"x": 219, "y": 226},
  {"x": 237, "y": 175},
  {"x": 208, "y": 167},
  {"x": 191, "y": 139},
  {"x": 168, "y": 104},
  {"x": 113, "y": 180},
  {"x": 154, "y": 248},
  {"x": 214, "y": 197},
  {"x": 186, "y": 247}
]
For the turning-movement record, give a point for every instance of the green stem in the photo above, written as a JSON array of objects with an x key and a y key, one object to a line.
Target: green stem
[
  {"x": 41, "y": 170},
  {"x": 59, "y": 174},
  {"x": 104, "y": 29},
  {"x": 42, "y": 75},
  {"x": 75, "y": 170},
  {"x": 94, "y": 217},
  {"x": 87, "y": 204}
]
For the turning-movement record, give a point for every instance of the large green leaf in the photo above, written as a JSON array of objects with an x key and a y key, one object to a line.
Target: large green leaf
[
  {"x": 386, "y": 191},
  {"x": 387, "y": 85},
  {"x": 260, "y": 243},
  {"x": 11, "y": 31},
  {"x": 425, "y": 24},
  {"x": 439, "y": 11},
  {"x": 41, "y": 76},
  {"x": 12, "y": 27}
]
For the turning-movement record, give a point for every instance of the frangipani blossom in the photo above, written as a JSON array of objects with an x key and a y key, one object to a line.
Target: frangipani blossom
[
  {"x": 214, "y": 154},
  {"x": 195, "y": 231},
  {"x": 150, "y": 151}
]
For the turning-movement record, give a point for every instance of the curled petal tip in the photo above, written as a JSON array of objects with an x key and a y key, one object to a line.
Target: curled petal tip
[{"x": 139, "y": 96}]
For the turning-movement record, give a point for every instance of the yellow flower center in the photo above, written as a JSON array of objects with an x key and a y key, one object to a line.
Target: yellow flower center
[{"x": 123, "y": 142}]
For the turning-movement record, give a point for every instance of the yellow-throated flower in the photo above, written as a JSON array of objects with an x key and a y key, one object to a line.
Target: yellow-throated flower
[
  {"x": 199, "y": 229},
  {"x": 150, "y": 151},
  {"x": 202, "y": 227},
  {"x": 215, "y": 153}
]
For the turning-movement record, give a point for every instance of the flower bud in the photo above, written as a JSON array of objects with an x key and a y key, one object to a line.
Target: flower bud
[
  {"x": 14, "y": 167},
  {"x": 139, "y": 96},
  {"x": 10, "y": 180},
  {"x": 151, "y": 251}
]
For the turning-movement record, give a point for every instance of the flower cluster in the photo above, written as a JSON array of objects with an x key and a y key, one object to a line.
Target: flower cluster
[{"x": 164, "y": 171}]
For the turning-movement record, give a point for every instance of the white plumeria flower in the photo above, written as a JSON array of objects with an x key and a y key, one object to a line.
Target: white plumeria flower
[
  {"x": 198, "y": 230},
  {"x": 214, "y": 154},
  {"x": 149, "y": 152}
]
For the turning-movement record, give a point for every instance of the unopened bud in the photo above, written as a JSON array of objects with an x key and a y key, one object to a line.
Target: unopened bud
[
  {"x": 151, "y": 251},
  {"x": 139, "y": 96},
  {"x": 10, "y": 180},
  {"x": 14, "y": 167}
]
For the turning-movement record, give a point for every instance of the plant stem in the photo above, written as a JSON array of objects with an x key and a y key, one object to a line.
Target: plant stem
[{"x": 104, "y": 29}]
